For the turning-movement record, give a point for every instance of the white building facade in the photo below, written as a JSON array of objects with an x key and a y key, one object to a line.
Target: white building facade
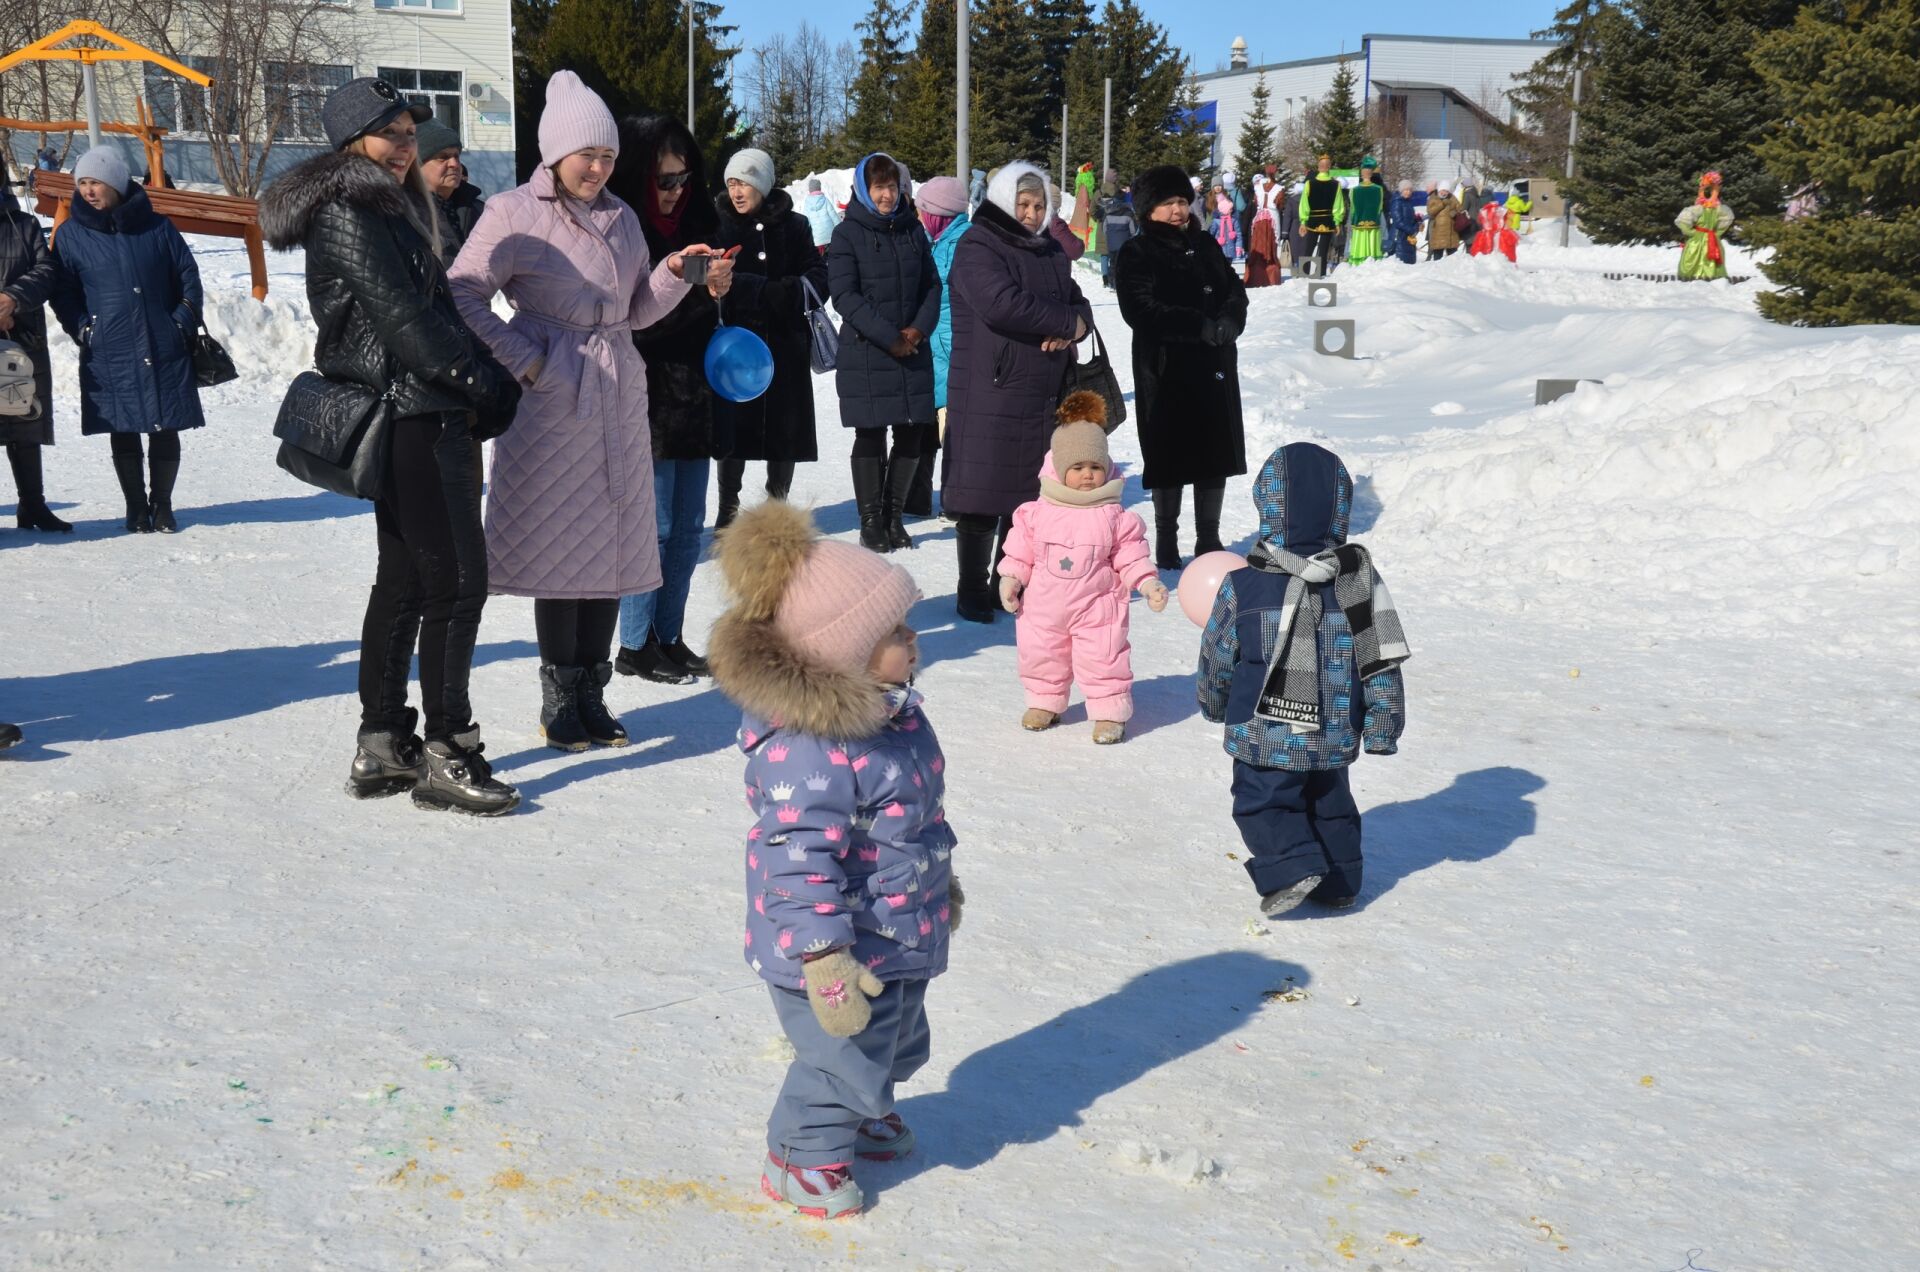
[
  {"x": 1450, "y": 90},
  {"x": 454, "y": 56}
]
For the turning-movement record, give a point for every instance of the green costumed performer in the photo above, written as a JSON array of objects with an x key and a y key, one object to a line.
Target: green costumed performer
[
  {"x": 1701, "y": 227},
  {"x": 1368, "y": 207},
  {"x": 1323, "y": 210}
]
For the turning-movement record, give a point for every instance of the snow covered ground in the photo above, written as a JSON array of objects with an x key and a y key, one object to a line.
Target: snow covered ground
[{"x": 1631, "y": 986}]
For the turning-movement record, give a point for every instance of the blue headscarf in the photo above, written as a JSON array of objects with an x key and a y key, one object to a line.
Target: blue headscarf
[{"x": 860, "y": 185}]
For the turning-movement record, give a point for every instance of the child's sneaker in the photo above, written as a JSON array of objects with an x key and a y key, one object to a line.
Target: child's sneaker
[
  {"x": 1107, "y": 732},
  {"x": 883, "y": 1139},
  {"x": 1272, "y": 903},
  {"x": 1037, "y": 719},
  {"x": 818, "y": 1192}
]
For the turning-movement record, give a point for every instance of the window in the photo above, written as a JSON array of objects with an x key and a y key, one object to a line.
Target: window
[
  {"x": 182, "y": 106},
  {"x": 1396, "y": 107},
  {"x": 439, "y": 91},
  {"x": 433, "y": 6},
  {"x": 295, "y": 94}
]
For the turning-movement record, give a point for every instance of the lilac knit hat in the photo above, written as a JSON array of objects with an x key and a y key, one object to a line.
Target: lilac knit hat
[
  {"x": 942, "y": 196},
  {"x": 840, "y": 603},
  {"x": 575, "y": 119}
]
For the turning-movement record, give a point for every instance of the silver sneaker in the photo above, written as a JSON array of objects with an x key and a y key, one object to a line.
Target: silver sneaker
[
  {"x": 458, "y": 777},
  {"x": 386, "y": 762}
]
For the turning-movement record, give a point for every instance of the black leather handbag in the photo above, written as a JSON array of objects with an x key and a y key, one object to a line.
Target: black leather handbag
[
  {"x": 335, "y": 435},
  {"x": 1095, "y": 375},
  {"x": 211, "y": 363}
]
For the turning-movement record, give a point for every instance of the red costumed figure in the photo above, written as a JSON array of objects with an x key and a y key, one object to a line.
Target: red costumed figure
[{"x": 1494, "y": 236}]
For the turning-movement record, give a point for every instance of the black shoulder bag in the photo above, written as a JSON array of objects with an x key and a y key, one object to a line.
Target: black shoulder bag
[
  {"x": 335, "y": 435},
  {"x": 1095, "y": 375}
]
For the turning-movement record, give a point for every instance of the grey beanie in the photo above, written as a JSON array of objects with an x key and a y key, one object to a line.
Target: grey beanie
[
  {"x": 813, "y": 184},
  {"x": 755, "y": 167},
  {"x": 435, "y": 137},
  {"x": 105, "y": 164}
]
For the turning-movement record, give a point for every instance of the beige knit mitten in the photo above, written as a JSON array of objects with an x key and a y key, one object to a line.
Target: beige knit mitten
[
  {"x": 838, "y": 986},
  {"x": 1010, "y": 589},
  {"x": 955, "y": 899},
  {"x": 1156, "y": 593}
]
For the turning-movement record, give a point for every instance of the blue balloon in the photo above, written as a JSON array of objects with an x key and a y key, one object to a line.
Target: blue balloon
[{"x": 739, "y": 364}]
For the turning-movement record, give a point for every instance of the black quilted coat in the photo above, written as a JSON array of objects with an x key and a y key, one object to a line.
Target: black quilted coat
[
  {"x": 1187, "y": 307},
  {"x": 883, "y": 279},
  {"x": 379, "y": 294},
  {"x": 679, "y": 400},
  {"x": 1012, "y": 289},
  {"x": 28, "y": 275},
  {"x": 776, "y": 253}
]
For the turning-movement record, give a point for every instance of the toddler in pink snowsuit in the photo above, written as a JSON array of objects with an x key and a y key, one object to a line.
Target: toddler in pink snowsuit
[{"x": 1072, "y": 559}]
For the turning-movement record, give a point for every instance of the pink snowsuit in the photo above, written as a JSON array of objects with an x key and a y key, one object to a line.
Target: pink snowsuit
[{"x": 1078, "y": 563}]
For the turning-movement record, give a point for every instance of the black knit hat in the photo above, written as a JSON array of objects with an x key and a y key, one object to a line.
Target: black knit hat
[
  {"x": 1156, "y": 185},
  {"x": 365, "y": 105}
]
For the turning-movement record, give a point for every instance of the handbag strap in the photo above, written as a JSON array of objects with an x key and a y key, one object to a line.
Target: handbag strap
[{"x": 812, "y": 295}]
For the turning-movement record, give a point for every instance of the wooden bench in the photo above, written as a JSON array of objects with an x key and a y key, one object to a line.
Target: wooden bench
[{"x": 219, "y": 215}]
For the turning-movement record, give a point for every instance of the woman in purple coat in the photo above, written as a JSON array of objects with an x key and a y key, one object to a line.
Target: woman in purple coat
[{"x": 1016, "y": 315}]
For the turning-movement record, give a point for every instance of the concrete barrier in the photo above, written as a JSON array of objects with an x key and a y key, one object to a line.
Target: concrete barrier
[{"x": 1325, "y": 327}]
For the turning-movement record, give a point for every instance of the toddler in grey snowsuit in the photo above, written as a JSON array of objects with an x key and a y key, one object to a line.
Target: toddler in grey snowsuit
[
  {"x": 1301, "y": 661},
  {"x": 850, "y": 894}
]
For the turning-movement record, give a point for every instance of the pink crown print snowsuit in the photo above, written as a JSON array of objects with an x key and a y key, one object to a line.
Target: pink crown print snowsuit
[{"x": 1078, "y": 554}]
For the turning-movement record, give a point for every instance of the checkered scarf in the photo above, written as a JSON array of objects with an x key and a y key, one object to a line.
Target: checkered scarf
[{"x": 1291, "y": 694}]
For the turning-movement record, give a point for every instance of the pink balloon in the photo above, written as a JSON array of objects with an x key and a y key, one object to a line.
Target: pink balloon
[{"x": 1200, "y": 583}]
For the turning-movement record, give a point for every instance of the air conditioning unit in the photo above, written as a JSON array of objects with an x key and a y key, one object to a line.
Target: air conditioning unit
[{"x": 481, "y": 96}]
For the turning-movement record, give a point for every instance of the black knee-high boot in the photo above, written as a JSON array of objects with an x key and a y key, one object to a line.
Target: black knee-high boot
[
  {"x": 732, "y": 473},
  {"x": 901, "y": 470},
  {"x": 1166, "y": 528},
  {"x": 30, "y": 504},
  {"x": 132, "y": 472},
  {"x": 163, "y": 472},
  {"x": 868, "y": 475},
  {"x": 920, "y": 495},
  {"x": 975, "y": 598},
  {"x": 1206, "y": 518},
  {"x": 779, "y": 478}
]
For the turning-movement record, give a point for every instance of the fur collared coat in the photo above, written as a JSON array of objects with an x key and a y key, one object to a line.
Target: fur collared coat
[{"x": 850, "y": 845}]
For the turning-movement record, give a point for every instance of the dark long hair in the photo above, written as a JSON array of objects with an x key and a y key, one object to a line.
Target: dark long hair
[{"x": 643, "y": 139}]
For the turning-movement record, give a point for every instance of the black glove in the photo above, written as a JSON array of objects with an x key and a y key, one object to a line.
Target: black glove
[{"x": 493, "y": 415}]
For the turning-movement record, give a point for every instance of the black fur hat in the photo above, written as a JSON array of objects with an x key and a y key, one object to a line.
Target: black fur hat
[{"x": 1156, "y": 185}]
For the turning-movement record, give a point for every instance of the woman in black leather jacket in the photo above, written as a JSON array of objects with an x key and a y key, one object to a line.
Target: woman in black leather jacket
[{"x": 379, "y": 295}]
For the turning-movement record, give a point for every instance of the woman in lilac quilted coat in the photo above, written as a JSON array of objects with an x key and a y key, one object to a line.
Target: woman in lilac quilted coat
[
  {"x": 850, "y": 888},
  {"x": 570, "y": 517}
]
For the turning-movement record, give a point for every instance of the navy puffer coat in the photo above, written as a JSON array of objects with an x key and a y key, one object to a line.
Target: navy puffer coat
[
  {"x": 1012, "y": 289},
  {"x": 129, "y": 295},
  {"x": 880, "y": 271}
]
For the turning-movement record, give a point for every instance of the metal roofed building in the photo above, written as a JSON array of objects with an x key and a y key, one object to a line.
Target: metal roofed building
[{"x": 1451, "y": 90}]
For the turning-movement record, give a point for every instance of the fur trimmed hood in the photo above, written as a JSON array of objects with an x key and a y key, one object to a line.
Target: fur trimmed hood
[
  {"x": 753, "y": 663},
  {"x": 287, "y": 207}
]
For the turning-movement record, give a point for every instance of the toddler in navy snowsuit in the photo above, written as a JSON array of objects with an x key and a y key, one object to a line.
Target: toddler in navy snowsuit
[{"x": 1301, "y": 661}]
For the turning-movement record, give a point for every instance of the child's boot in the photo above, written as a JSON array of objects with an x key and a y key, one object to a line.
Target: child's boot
[
  {"x": 1107, "y": 732},
  {"x": 884, "y": 1139},
  {"x": 819, "y": 1192},
  {"x": 1038, "y": 719},
  {"x": 1276, "y": 903}
]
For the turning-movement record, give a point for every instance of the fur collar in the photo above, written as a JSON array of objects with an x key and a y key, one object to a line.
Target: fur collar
[
  {"x": 758, "y": 670},
  {"x": 1009, "y": 231},
  {"x": 287, "y": 207},
  {"x": 772, "y": 209}
]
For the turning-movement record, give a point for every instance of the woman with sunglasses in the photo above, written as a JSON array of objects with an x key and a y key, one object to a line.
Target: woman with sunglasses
[
  {"x": 571, "y": 518},
  {"x": 663, "y": 175}
]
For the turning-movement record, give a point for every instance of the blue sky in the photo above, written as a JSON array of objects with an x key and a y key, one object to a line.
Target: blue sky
[{"x": 1277, "y": 32}]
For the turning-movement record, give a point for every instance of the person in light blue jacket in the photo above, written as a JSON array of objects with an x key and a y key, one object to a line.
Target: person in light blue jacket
[
  {"x": 820, "y": 214},
  {"x": 943, "y": 210}
]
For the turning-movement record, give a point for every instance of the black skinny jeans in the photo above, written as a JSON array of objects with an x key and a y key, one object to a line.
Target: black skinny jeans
[{"x": 431, "y": 581}]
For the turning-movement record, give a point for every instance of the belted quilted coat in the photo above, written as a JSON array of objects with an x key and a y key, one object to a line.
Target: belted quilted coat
[{"x": 570, "y": 502}]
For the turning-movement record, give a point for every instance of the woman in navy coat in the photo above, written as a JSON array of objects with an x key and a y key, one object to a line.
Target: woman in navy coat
[{"x": 129, "y": 295}]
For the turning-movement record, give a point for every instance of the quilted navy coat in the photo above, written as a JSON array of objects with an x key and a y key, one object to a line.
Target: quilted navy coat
[
  {"x": 28, "y": 275},
  {"x": 881, "y": 273},
  {"x": 129, "y": 295},
  {"x": 1012, "y": 289}
]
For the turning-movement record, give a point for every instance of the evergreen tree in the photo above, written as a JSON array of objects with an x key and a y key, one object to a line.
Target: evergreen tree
[
  {"x": 781, "y": 135},
  {"x": 1536, "y": 143},
  {"x": 926, "y": 119},
  {"x": 634, "y": 54},
  {"x": 1008, "y": 91},
  {"x": 1188, "y": 144},
  {"x": 1343, "y": 130},
  {"x": 1256, "y": 135},
  {"x": 1060, "y": 26},
  {"x": 1673, "y": 96},
  {"x": 1147, "y": 74},
  {"x": 877, "y": 89},
  {"x": 1848, "y": 131}
]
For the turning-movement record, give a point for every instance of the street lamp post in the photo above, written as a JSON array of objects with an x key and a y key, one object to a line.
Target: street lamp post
[
  {"x": 962, "y": 91},
  {"x": 689, "y": 65}
]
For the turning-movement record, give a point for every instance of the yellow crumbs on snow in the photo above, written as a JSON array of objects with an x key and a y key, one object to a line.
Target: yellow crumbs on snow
[
  {"x": 511, "y": 1180},
  {"x": 1407, "y": 1239},
  {"x": 1647, "y": 1081}
]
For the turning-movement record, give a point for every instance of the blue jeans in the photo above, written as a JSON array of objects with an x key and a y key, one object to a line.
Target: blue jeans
[{"x": 679, "y": 507}]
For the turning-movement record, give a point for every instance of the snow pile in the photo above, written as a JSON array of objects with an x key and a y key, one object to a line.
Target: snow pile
[{"x": 1718, "y": 481}]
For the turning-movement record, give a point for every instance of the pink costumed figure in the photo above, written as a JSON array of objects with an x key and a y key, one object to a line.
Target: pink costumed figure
[
  {"x": 1072, "y": 558},
  {"x": 1495, "y": 235}
]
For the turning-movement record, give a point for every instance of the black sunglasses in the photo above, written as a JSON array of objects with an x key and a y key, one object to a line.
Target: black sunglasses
[{"x": 672, "y": 180}]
